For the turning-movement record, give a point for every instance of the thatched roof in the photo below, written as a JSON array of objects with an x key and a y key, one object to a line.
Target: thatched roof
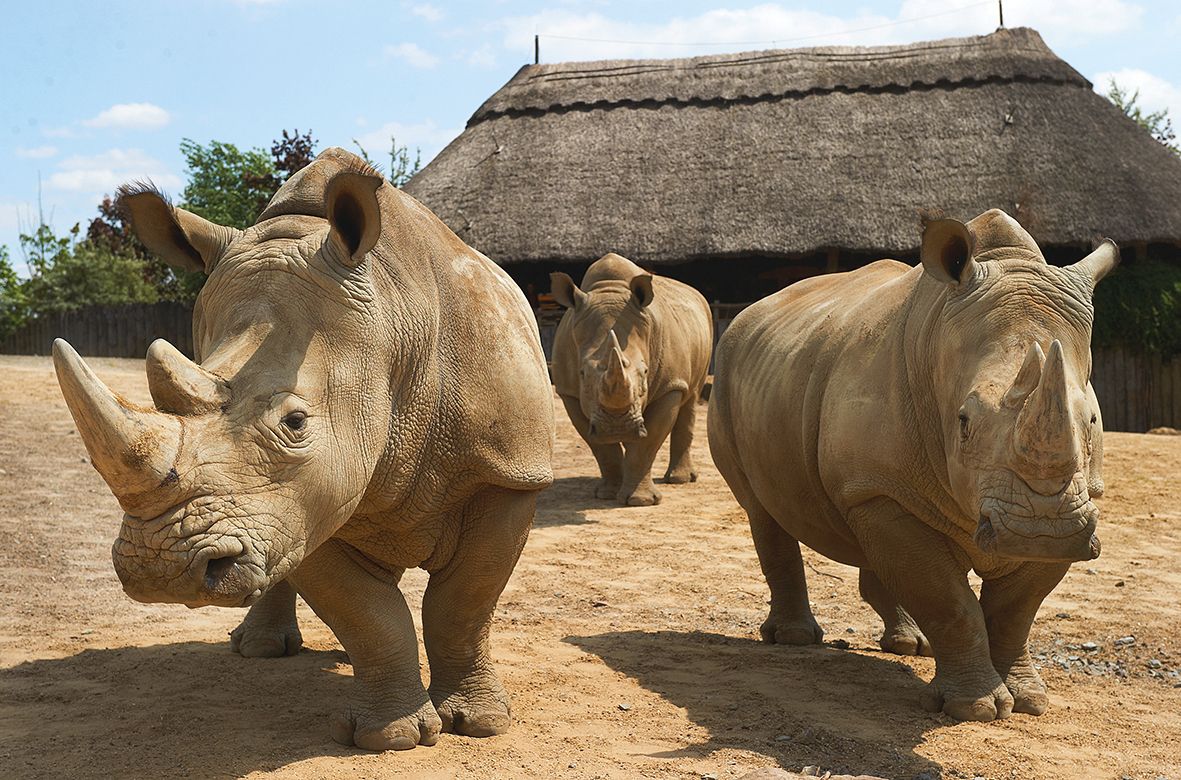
[{"x": 781, "y": 153}]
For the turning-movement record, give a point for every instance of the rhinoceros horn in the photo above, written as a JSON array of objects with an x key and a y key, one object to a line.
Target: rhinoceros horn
[
  {"x": 135, "y": 450},
  {"x": 1045, "y": 437},
  {"x": 180, "y": 386},
  {"x": 616, "y": 392},
  {"x": 1027, "y": 378}
]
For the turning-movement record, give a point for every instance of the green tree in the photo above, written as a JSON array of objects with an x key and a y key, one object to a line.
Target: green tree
[
  {"x": 227, "y": 185},
  {"x": 66, "y": 273},
  {"x": 401, "y": 169},
  {"x": 13, "y": 310},
  {"x": 1157, "y": 123}
]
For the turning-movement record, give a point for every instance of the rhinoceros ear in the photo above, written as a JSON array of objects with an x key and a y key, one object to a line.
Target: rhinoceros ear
[
  {"x": 178, "y": 237},
  {"x": 1102, "y": 261},
  {"x": 354, "y": 214},
  {"x": 565, "y": 291},
  {"x": 947, "y": 251},
  {"x": 641, "y": 286}
]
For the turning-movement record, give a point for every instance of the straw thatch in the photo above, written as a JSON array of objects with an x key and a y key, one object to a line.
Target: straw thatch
[{"x": 789, "y": 153}]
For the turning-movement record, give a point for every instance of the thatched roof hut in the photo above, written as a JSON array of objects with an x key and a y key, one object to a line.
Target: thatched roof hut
[{"x": 778, "y": 164}]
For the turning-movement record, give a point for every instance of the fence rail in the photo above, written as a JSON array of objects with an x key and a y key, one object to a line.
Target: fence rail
[
  {"x": 123, "y": 330},
  {"x": 1136, "y": 392}
]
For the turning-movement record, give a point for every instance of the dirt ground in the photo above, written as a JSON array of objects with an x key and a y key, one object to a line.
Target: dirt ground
[{"x": 628, "y": 639}]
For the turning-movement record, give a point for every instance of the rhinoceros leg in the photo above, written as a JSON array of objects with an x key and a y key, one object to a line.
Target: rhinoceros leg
[
  {"x": 915, "y": 563},
  {"x": 791, "y": 621},
  {"x": 1010, "y": 603},
  {"x": 363, "y": 606},
  {"x": 902, "y": 634},
  {"x": 269, "y": 629},
  {"x": 637, "y": 488},
  {"x": 609, "y": 456},
  {"x": 457, "y": 612},
  {"x": 680, "y": 456}
]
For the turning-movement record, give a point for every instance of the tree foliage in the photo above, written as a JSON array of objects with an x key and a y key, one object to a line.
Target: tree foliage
[
  {"x": 227, "y": 185},
  {"x": 401, "y": 169},
  {"x": 1139, "y": 307},
  {"x": 1158, "y": 123}
]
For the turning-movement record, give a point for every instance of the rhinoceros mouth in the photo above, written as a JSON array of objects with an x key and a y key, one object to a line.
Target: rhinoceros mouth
[
  {"x": 1023, "y": 524},
  {"x": 185, "y": 556},
  {"x": 608, "y": 428}
]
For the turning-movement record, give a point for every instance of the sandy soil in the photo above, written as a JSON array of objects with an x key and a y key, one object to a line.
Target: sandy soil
[{"x": 627, "y": 638}]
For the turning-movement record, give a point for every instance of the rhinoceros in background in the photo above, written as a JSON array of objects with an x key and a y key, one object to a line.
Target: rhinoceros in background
[
  {"x": 918, "y": 423},
  {"x": 630, "y": 357},
  {"x": 370, "y": 396}
]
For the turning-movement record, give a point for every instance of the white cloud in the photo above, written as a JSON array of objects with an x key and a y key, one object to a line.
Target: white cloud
[
  {"x": 772, "y": 25},
  {"x": 101, "y": 174},
  {"x": 1156, "y": 94},
  {"x": 427, "y": 11},
  {"x": 426, "y": 136},
  {"x": 484, "y": 57},
  {"x": 131, "y": 116},
  {"x": 36, "y": 152},
  {"x": 412, "y": 54}
]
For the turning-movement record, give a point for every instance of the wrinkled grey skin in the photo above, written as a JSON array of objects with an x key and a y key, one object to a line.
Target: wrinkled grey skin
[
  {"x": 370, "y": 395},
  {"x": 918, "y": 423},
  {"x": 630, "y": 357}
]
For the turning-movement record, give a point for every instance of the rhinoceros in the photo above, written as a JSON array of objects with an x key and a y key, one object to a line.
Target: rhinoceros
[
  {"x": 369, "y": 395},
  {"x": 917, "y": 423},
  {"x": 630, "y": 357}
]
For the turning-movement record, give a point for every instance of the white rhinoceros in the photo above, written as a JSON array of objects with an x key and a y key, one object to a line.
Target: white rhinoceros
[
  {"x": 370, "y": 396},
  {"x": 918, "y": 423},
  {"x": 631, "y": 355}
]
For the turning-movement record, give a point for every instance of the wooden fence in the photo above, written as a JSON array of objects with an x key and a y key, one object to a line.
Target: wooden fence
[
  {"x": 107, "y": 331},
  {"x": 1136, "y": 392}
]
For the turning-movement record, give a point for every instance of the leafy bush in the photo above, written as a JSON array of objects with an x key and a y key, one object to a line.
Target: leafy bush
[{"x": 1139, "y": 307}]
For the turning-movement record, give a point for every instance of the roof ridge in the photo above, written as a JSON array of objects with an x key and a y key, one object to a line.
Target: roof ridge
[
  {"x": 767, "y": 97},
  {"x": 777, "y": 73}
]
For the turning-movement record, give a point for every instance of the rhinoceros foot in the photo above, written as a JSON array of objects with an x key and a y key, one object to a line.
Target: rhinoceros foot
[
  {"x": 608, "y": 489},
  {"x": 265, "y": 641},
  {"x": 386, "y": 726},
  {"x": 1026, "y": 686},
  {"x": 644, "y": 495},
  {"x": 980, "y": 697},
  {"x": 479, "y": 707},
  {"x": 680, "y": 476},
  {"x": 778, "y": 630},
  {"x": 905, "y": 638}
]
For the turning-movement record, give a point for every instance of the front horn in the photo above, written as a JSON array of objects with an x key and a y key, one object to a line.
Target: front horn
[{"x": 133, "y": 449}]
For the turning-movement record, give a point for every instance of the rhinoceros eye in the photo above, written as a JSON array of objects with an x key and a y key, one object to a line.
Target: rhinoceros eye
[
  {"x": 964, "y": 426},
  {"x": 295, "y": 421}
]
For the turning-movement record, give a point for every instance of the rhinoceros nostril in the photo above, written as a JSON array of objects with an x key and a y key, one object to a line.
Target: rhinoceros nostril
[{"x": 217, "y": 569}]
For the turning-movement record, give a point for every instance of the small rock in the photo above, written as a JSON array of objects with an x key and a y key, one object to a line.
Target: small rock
[
  {"x": 708, "y": 776},
  {"x": 810, "y": 771},
  {"x": 598, "y": 603},
  {"x": 1092, "y": 571},
  {"x": 1090, "y": 647},
  {"x": 783, "y": 738},
  {"x": 624, "y": 706},
  {"x": 840, "y": 644},
  {"x": 1063, "y": 615},
  {"x": 1125, "y": 640},
  {"x": 850, "y": 630},
  {"x": 1120, "y": 584},
  {"x": 1153, "y": 663}
]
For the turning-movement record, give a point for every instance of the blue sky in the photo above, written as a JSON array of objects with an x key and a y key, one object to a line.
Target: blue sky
[{"x": 95, "y": 94}]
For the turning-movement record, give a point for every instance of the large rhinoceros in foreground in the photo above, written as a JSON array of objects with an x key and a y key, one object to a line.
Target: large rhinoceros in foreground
[
  {"x": 631, "y": 355},
  {"x": 371, "y": 396},
  {"x": 918, "y": 423}
]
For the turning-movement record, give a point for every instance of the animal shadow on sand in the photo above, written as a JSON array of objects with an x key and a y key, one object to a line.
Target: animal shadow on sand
[
  {"x": 565, "y": 502},
  {"x": 191, "y": 709},
  {"x": 845, "y": 712}
]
